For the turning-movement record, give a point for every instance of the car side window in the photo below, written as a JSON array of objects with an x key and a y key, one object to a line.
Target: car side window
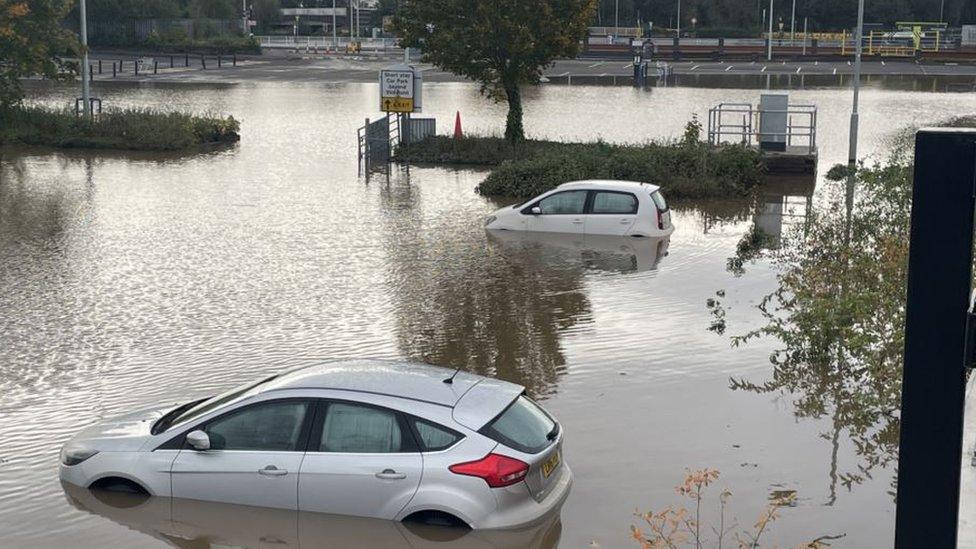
[
  {"x": 568, "y": 202},
  {"x": 352, "y": 428},
  {"x": 434, "y": 437},
  {"x": 614, "y": 203},
  {"x": 275, "y": 426}
]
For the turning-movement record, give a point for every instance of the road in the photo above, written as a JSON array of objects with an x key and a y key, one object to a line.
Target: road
[{"x": 320, "y": 68}]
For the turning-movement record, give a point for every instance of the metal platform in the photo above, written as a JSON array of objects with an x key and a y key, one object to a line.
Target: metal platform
[{"x": 740, "y": 123}]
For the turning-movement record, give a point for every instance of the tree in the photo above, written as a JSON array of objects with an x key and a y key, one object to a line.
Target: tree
[
  {"x": 501, "y": 44},
  {"x": 32, "y": 42}
]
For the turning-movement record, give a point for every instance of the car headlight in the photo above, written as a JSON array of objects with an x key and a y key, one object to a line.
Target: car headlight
[
  {"x": 76, "y": 454},
  {"x": 491, "y": 219}
]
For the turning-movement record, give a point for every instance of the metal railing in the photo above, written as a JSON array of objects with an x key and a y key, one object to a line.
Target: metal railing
[
  {"x": 740, "y": 123},
  {"x": 326, "y": 42}
]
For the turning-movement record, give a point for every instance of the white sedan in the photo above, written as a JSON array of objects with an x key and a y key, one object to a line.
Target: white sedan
[{"x": 596, "y": 207}]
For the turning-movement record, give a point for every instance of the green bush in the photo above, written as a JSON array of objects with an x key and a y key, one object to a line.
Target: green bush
[
  {"x": 687, "y": 168},
  {"x": 126, "y": 129}
]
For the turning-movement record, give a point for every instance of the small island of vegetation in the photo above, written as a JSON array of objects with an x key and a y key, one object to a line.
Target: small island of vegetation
[
  {"x": 122, "y": 129},
  {"x": 686, "y": 168}
]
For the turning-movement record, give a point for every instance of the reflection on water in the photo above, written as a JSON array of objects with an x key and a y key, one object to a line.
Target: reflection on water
[
  {"x": 191, "y": 524},
  {"x": 838, "y": 318}
]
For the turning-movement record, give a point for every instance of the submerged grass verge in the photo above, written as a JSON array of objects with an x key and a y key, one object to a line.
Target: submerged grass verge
[
  {"x": 685, "y": 169},
  {"x": 122, "y": 129}
]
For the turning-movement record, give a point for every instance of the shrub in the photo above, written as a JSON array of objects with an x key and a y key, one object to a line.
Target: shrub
[
  {"x": 687, "y": 169},
  {"x": 128, "y": 129}
]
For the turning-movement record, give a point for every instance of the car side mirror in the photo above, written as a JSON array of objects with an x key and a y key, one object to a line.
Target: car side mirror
[
  {"x": 536, "y": 210},
  {"x": 198, "y": 440}
]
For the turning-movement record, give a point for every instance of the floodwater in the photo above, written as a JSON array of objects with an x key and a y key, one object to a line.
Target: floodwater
[{"x": 128, "y": 280}]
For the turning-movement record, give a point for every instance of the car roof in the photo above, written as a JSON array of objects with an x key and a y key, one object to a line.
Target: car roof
[
  {"x": 610, "y": 184},
  {"x": 401, "y": 379}
]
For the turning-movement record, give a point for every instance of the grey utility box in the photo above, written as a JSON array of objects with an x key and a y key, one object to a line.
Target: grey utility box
[{"x": 772, "y": 121}]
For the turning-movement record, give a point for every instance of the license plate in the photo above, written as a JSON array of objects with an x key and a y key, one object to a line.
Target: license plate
[{"x": 550, "y": 465}]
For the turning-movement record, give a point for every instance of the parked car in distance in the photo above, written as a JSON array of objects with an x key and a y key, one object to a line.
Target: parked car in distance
[
  {"x": 596, "y": 207},
  {"x": 365, "y": 438}
]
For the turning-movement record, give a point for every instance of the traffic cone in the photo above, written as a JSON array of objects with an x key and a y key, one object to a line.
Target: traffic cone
[{"x": 458, "y": 134}]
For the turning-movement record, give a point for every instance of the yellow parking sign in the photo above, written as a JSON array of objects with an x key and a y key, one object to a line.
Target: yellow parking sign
[{"x": 397, "y": 104}]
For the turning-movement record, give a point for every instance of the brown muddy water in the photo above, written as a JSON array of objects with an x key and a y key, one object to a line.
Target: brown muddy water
[{"x": 128, "y": 280}]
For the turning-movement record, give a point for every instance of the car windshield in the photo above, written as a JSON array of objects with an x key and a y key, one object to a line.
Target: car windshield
[{"x": 196, "y": 409}]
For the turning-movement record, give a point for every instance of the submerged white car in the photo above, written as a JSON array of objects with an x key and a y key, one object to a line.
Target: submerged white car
[
  {"x": 364, "y": 438},
  {"x": 595, "y": 207}
]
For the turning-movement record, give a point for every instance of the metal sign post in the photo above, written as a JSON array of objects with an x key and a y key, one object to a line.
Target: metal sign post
[{"x": 936, "y": 325}]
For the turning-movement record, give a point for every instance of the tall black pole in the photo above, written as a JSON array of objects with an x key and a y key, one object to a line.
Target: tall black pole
[{"x": 933, "y": 389}]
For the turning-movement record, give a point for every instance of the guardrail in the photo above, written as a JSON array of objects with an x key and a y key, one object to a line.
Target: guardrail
[
  {"x": 739, "y": 123},
  {"x": 327, "y": 43}
]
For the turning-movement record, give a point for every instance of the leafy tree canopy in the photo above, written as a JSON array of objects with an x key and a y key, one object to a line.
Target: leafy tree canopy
[
  {"x": 32, "y": 42},
  {"x": 501, "y": 44}
]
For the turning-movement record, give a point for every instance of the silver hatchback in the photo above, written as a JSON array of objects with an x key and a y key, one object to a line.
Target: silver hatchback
[{"x": 366, "y": 438}]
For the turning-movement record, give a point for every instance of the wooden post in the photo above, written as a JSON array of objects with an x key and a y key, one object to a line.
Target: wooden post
[
  {"x": 113, "y": 69},
  {"x": 203, "y": 61},
  {"x": 99, "y": 66},
  {"x": 155, "y": 67},
  {"x": 171, "y": 61},
  {"x": 186, "y": 59},
  {"x": 219, "y": 61}
]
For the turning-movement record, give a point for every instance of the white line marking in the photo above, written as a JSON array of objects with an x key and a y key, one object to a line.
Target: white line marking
[
  {"x": 882, "y": 61},
  {"x": 798, "y": 70},
  {"x": 835, "y": 71},
  {"x": 763, "y": 69},
  {"x": 922, "y": 68},
  {"x": 815, "y": 63},
  {"x": 595, "y": 65},
  {"x": 849, "y": 63},
  {"x": 602, "y": 74},
  {"x": 695, "y": 67},
  {"x": 727, "y": 69},
  {"x": 627, "y": 65},
  {"x": 563, "y": 74}
]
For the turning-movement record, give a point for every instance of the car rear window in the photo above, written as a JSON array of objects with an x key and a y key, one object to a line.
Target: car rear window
[
  {"x": 523, "y": 426},
  {"x": 659, "y": 201}
]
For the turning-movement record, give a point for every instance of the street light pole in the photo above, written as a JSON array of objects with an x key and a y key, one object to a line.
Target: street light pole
[
  {"x": 677, "y": 30},
  {"x": 616, "y": 15},
  {"x": 85, "y": 84},
  {"x": 335, "y": 33},
  {"x": 793, "y": 24},
  {"x": 769, "y": 52},
  {"x": 852, "y": 153}
]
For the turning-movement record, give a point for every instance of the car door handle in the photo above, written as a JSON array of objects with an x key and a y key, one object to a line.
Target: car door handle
[
  {"x": 390, "y": 474},
  {"x": 577, "y": 221},
  {"x": 626, "y": 221},
  {"x": 272, "y": 471}
]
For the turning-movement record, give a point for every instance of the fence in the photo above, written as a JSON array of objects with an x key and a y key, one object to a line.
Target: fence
[
  {"x": 739, "y": 123},
  {"x": 326, "y": 43}
]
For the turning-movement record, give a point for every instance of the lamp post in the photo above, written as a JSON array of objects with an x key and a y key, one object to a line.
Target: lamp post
[
  {"x": 85, "y": 83},
  {"x": 677, "y": 26},
  {"x": 793, "y": 24},
  {"x": 769, "y": 51},
  {"x": 616, "y": 15},
  {"x": 852, "y": 153},
  {"x": 335, "y": 35}
]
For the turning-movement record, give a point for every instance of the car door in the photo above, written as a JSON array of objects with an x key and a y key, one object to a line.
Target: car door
[
  {"x": 611, "y": 213},
  {"x": 362, "y": 460},
  {"x": 560, "y": 212},
  {"x": 254, "y": 456}
]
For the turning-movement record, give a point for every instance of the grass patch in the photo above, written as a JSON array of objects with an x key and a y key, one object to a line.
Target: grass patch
[
  {"x": 123, "y": 129},
  {"x": 685, "y": 169}
]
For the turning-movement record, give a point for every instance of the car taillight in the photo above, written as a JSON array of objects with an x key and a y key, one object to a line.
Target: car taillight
[
  {"x": 660, "y": 219},
  {"x": 497, "y": 470}
]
